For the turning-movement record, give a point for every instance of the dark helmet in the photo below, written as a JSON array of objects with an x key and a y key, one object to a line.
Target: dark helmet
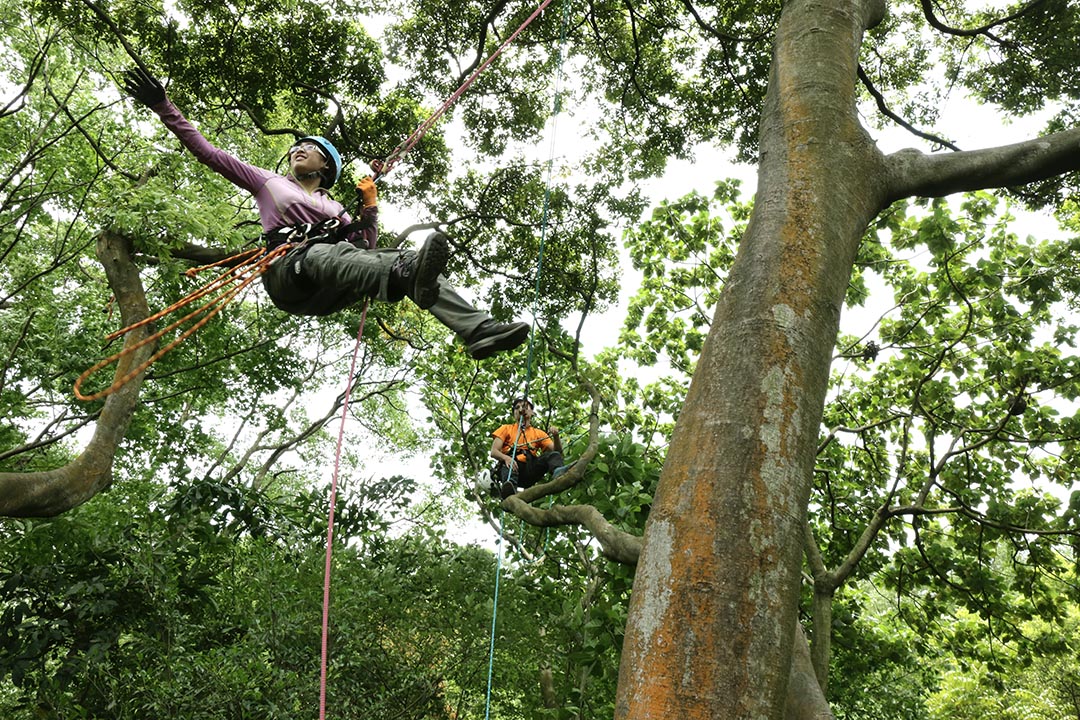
[{"x": 332, "y": 155}]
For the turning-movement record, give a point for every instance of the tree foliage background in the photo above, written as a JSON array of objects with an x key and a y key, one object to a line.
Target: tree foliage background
[{"x": 941, "y": 542}]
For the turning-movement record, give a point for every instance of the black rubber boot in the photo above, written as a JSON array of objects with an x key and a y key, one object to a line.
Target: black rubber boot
[
  {"x": 416, "y": 274},
  {"x": 493, "y": 337}
]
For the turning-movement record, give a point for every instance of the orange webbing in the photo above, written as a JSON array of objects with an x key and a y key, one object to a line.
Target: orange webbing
[{"x": 230, "y": 284}]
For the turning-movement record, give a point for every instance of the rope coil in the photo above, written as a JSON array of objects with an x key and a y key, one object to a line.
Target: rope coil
[{"x": 229, "y": 284}]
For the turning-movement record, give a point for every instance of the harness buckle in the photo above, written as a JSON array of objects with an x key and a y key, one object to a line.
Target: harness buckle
[{"x": 324, "y": 231}]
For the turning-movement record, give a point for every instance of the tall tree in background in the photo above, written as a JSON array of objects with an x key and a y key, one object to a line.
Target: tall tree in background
[{"x": 947, "y": 453}]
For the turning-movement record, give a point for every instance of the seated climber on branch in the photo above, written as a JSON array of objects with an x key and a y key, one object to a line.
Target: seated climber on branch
[
  {"x": 332, "y": 262},
  {"x": 537, "y": 453}
]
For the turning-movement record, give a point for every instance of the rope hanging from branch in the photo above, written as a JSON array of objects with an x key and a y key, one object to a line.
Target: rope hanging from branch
[
  {"x": 556, "y": 106},
  {"x": 382, "y": 167}
]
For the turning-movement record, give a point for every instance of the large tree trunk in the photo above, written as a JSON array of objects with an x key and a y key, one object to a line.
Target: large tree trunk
[
  {"x": 51, "y": 492},
  {"x": 713, "y": 611}
]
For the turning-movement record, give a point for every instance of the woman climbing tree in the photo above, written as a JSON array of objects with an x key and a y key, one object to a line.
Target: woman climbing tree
[{"x": 333, "y": 262}]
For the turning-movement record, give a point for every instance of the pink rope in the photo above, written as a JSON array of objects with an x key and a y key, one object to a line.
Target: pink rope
[
  {"x": 330, "y": 522},
  {"x": 392, "y": 159},
  {"x": 324, "y": 663},
  {"x": 413, "y": 139}
]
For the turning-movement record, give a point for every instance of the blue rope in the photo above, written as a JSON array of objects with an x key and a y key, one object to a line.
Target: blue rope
[
  {"x": 556, "y": 108},
  {"x": 494, "y": 615}
]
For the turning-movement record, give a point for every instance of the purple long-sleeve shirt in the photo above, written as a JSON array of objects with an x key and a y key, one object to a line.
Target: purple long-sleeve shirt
[{"x": 281, "y": 199}]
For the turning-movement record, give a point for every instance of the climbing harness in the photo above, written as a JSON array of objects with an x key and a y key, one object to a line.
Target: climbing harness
[
  {"x": 522, "y": 450},
  {"x": 516, "y": 448},
  {"x": 330, "y": 230}
]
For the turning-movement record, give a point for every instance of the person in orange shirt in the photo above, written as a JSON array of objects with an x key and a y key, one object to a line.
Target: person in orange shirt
[{"x": 537, "y": 453}]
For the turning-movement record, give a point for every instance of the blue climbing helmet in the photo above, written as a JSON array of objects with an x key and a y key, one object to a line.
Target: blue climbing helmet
[{"x": 331, "y": 154}]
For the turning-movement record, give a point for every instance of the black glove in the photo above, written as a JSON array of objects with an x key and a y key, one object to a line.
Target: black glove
[{"x": 144, "y": 88}]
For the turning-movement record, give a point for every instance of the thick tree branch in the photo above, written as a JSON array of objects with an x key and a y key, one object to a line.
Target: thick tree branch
[
  {"x": 615, "y": 544},
  {"x": 805, "y": 699},
  {"x": 718, "y": 33},
  {"x": 832, "y": 580},
  {"x": 107, "y": 19},
  {"x": 36, "y": 65},
  {"x": 912, "y": 173},
  {"x": 51, "y": 492},
  {"x": 207, "y": 255},
  {"x": 481, "y": 42}
]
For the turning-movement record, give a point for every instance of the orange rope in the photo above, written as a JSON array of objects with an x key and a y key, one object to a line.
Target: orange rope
[{"x": 253, "y": 265}]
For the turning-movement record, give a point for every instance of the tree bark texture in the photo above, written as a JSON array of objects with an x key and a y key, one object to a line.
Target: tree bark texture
[
  {"x": 50, "y": 492},
  {"x": 713, "y": 611},
  {"x": 822, "y": 647}
]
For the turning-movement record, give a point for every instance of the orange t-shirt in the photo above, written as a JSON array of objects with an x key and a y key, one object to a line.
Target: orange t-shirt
[{"x": 532, "y": 439}]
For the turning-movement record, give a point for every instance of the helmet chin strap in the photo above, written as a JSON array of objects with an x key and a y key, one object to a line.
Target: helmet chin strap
[{"x": 308, "y": 176}]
